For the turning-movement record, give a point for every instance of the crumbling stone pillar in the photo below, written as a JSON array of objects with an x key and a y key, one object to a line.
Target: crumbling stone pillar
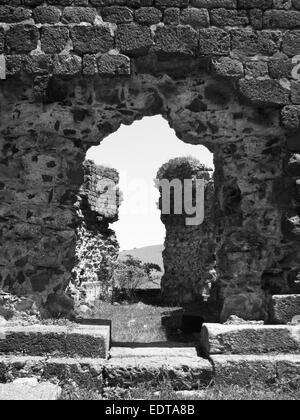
[
  {"x": 37, "y": 219},
  {"x": 252, "y": 192},
  {"x": 97, "y": 248},
  {"x": 189, "y": 254}
]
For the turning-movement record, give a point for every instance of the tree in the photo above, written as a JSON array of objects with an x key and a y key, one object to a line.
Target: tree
[
  {"x": 129, "y": 276},
  {"x": 149, "y": 267}
]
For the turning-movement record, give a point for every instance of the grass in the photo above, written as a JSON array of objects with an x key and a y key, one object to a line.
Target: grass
[
  {"x": 135, "y": 323},
  {"x": 213, "y": 393}
]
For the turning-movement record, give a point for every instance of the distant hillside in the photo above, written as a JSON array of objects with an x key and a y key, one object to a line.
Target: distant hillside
[{"x": 147, "y": 254}]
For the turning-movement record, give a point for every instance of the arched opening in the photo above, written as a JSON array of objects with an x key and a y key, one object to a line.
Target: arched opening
[{"x": 137, "y": 152}]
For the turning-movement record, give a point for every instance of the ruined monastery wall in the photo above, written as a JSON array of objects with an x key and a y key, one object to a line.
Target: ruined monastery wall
[{"x": 223, "y": 73}]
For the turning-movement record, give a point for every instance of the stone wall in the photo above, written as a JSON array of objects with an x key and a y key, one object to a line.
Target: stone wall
[
  {"x": 189, "y": 254},
  {"x": 223, "y": 73},
  {"x": 97, "y": 248},
  {"x": 250, "y": 41}
]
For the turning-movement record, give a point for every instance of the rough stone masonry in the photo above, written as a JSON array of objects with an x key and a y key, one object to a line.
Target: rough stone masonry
[
  {"x": 97, "y": 248},
  {"x": 189, "y": 251},
  {"x": 224, "y": 73}
]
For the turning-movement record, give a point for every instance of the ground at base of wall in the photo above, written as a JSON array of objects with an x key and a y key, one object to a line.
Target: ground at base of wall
[
  {"x": 30, "y": 389},
  {"x": 254, "y": 392},
  {"x": 136, "y": 322}
]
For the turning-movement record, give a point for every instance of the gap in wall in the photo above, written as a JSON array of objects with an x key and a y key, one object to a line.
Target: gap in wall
[{"x": 137, "y": 152}]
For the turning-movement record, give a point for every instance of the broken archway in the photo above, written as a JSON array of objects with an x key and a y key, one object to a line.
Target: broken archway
[{"x": 55, "y": 106}]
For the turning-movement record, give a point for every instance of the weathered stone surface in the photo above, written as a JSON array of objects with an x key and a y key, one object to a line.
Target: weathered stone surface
[
  {"x": 178, "y": 41},
  {"x": 85, "y": 373},
  {"x": 284, "y": 308},
  {"x": 265, "y": 92},
  {"x": 212, "y": 29},
  {"x": 179, "y": 60},
  {"x": 91, "y": 39},
  {"x": 189, "y": 251},
  {"x": 227, "y": 67},
  {"x": 143, "y": 352},
  {"x": 97, "y": 248},
  {"x": 186, "y": 372},
  {"x": 251, "y": 306},
  {"x": 54, "y": 38},
  {"x": 249, "y": 146},
  {"x": 249, "y": 339},
  {"x": 264, "y": 370},
  {"x": 29, "y": 391},
  {"x": 133, "y": 40},
  {"x": 39, "y": 340}
]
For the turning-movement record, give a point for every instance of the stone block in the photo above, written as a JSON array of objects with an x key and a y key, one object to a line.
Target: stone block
[
  {"x": 291, "y": 120},
  {"x": 22, "y": 38},
  {"x": 79, "y": 14},
  {"x": 197, "y": 18},
  {"x": 185, "y": 373},
  {"x": 288, "y": 370},
  {"x": 84, "y": 372},
  {"x": 117, "y": 14},
  {"x": 145, "y": 352},
  {"x": 227, "y": 67},
  {"x": 247, "y": 42},
  {"x": 265, "y": 92},
  {"x": 39, "y": 340},
  {"x": 283, "y": 308},
  {"x": 291, "y": 43},
  {"x": 148, "y": 15},
  {"x": 29, "y": 390},
  {"x": 214, "y": 41},
  {"x": 91, "y": 39},
  {"x": 9, "y": 14},
  {"x": 224, "y": 17},
  {"x": 249, "y": 339},
  {"x": 133, "y": 39},
  {"x": 67, "y": 65},
  {"x": 172, "y": 41},
  {"x": 253, "y": 369},
  {"x": 285, "y": 19},
  {"x": 113, "y": 64},
  {"x": 54, "y": 38},
  {"x": 46, "y": 14}
]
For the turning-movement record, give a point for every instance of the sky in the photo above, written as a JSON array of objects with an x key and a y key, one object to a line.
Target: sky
[{"x": 137, "y": 152}]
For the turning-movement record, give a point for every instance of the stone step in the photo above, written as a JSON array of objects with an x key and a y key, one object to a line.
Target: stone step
[
  {"x": 249, "y": 339},
  {"x": 58, "y": 341},
  {"x": 267, "y": 370},
  {"x": 184, "y": 373},
  {"x": 284, "y": 308},
  {"x": 29, "y": 389},
  {"x": 170, "y": 351},
  {"x": 85, "y": 373}
]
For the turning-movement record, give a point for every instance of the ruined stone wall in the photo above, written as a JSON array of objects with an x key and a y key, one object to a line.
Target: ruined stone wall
[
  {"x": 223, "y": 73},
  {"x": 254, "y": 41},
  {"x": 189, "y": 251},
  {"x": 97, "y": 248}
]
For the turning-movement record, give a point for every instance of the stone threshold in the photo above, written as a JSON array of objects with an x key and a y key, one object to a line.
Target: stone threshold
[
  {"x": 183, "y": 373},
  {"x": 249, "y": 339},
  {"x": 58, "y": 341}
]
